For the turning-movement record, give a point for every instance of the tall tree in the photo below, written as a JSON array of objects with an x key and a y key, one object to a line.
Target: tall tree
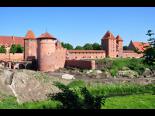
[
  {"x": 19, "y": 48},
  {"x": 2, "y": 49},
  {"x": 13, "y": 49},
  {"x": 149, "y": 53}
]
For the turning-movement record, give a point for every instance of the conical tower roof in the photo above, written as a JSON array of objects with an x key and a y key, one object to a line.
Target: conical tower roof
[
  {"x": 46, "y": 35},
  {"x": 30, "y": 35}
]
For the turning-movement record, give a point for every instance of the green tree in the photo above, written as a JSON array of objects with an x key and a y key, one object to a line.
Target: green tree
[
  {"x": 67, "y": 46},
  {"x": 96, "y": 46},
  {"x": 2, "y": 49},
  {"x": 88, "y": 46},
  {"x": 13, "y": 49},
  {"x": 78, "y": 48},
  {"x": 125, "y": 47},
  {"x": 149, "y": 53},
  {"x": 19, "y": 48}
]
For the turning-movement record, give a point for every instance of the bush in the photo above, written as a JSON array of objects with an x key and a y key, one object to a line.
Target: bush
[
  {"x": 2, "y": 49},
  {"x": 16, "y": 48},
  {"x": 79, "y": 98},
  {"x": 114, "y": 65}
]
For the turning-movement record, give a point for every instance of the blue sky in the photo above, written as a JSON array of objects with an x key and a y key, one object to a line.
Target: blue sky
[{"x": 79, "y": 25}]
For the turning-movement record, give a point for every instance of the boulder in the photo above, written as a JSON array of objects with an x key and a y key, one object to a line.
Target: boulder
[
  {"x": 106, "y": 74},
  {"x": 128, "y": 73},
  {"x": 98, "y": 71},
  {"x": 8, "y": 75},
  {"x": 89, "y": 71},
  {"x": 147, "y": 73},
  {"x": 68, "y": 76}
]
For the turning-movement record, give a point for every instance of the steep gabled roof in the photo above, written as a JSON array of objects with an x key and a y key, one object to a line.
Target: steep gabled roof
[
  {"x": 141, "y": 46},
  {"x": 30, "y": 35},
  {"x": 118, "y": 38},
  {"x": 108, "y": 35},
  {"x": 9, "y": 40}
]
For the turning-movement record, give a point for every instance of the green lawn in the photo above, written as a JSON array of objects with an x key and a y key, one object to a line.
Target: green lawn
[{"x": 143, "y": 101}]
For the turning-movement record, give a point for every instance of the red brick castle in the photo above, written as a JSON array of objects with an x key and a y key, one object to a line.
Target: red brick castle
[{"x": 50, "y": 55}]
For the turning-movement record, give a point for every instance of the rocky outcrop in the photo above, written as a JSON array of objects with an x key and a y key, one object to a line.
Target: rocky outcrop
[
  {"x": 127, "y": 73},
  {"x": 68, "y": 76},
  {"x": 27, "y": 85},
  {"x": 147, "y": 73}
]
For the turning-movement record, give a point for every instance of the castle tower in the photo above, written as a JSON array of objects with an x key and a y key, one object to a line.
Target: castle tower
[
  {"x": 30, "y": 46},
  {"x": 119, "y": 46},
  {"x": 46, "y": 50},
  {"x": 108, "y": 43}
]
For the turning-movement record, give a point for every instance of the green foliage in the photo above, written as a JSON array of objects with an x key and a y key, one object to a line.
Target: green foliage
[
  {"x": 149, "y": 53},
  {"x": 143, "y": 101},
  {"x": 19, "y": 48},
  {"x": 2, "y": 49},
  {"x": 78, "y": 48},
  {"x": 88, "y": 46},
  {"x": 67, "y": 46},
  {"x": 114, "y": 65},
  {"x": 8, "y": 102},
  {"x": 79, "y": 98},
  {"x": 46, "y": 104},
  {"x": 110, "y": 90},
  {"x": 150, "y": 56},
  {"x": 77, "y": 83},
  {"x": 13, "y": 49},
  {"x": 16, "y": 48},
  {"x": 125, "y": 47},
  {"x": 151, "y": 39},
  {"x": 96, "y": 46}
]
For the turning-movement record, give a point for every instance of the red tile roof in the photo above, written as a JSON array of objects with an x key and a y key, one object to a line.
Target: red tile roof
[
  {"x": 108, "y": 35},
  {"x": 88, "y": 51},
  {"x": 30, "y": 35},
  {"x": 140, "y": 45},
  {"x": 9, "y": 40},
  {"x": 46, "y": 36},
  {"x": 119, "y": 38}
]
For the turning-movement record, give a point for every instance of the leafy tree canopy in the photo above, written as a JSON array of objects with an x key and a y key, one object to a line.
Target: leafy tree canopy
[
  {"x": 67, "y": 46},
  {"x": 78, "y": 48},
  {"x": 96, "y": 46}
]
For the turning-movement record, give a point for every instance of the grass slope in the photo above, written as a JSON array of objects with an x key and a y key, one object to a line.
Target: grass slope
[{"x": 143, "y": 101}]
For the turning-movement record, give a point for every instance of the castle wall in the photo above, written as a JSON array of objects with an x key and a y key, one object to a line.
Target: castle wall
[
  {"x": 85, "y": 54},
  {"x": 82, "y": 64},
  {"x": 12, "y": 57},
  {"x": 131, "y": 54}
]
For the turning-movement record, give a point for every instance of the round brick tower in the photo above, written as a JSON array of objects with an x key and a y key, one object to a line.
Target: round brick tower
[
  {"x": 30, "y": 46},
  {"x": 46, "y": 49},
  {"x": 119, "y": 48}
]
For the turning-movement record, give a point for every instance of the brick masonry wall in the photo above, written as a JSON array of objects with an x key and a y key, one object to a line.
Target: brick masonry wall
[
  {"x": 131, "y": 55},
  {"x": 85, "y": 55},
  {"x": 12, "y": 57},
  {"x": 82, "y": 64}
]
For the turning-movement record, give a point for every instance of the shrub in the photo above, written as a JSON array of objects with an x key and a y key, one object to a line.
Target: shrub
[
  {"x": 79, "y": 98},
  {"x": 2, "y": 49}
]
